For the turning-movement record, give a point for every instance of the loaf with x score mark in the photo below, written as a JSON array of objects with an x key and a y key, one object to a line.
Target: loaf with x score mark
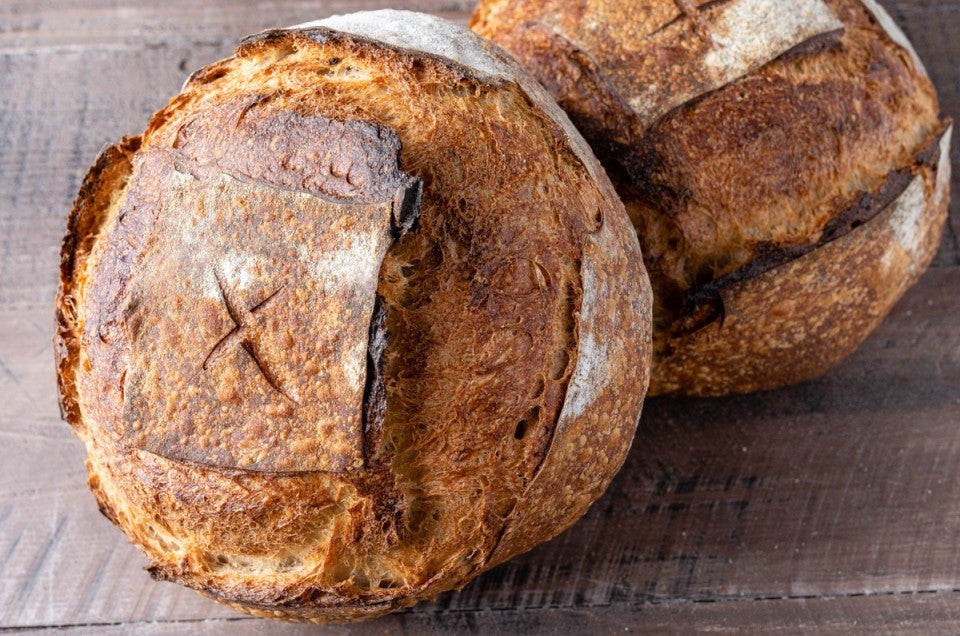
[{"x": 358, "y": 317}]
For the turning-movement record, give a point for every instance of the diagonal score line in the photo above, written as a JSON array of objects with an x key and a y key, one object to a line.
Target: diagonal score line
[
  {"x": 231, "y": 308},
  {"x": 248, "y": 346},
  {"x": 242, "y": 318}
]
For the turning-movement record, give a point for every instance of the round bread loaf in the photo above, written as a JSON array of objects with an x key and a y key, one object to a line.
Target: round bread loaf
[
  {"x": 784, "y": 163},
  {"x": 358, "y": 317}
]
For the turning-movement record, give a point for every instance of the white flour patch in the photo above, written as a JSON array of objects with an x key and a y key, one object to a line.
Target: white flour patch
[
  {"x": 885, "y": 21},
  {"x": 194, "y": 230},
  {"x": 751, "y": 33},
  {"x": 355, "y": 365},
  {"x": 589, "y": 376},
  {"x": 239, "y": 270},
  {"x": 908, "y": 222},
  {"x": 356, "y": 265},
  {"x": 910, "y": 214},
  {"x": 942, "y": 187},
  {"x": 209, "y": 286},
  {"x": 352, "y": 270}
]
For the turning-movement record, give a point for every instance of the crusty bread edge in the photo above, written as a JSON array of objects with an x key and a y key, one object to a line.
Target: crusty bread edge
[
  {"x": 102, "y": 185},
  {"x": 455, "y": 45},
  {"x": 895, "y": 33},
  {"x": 611, "y": 341},
  {"x": 616, "y": 229},
  {"x": 829, "y": 300}
]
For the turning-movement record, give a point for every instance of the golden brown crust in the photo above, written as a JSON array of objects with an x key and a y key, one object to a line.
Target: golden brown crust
[
  {"x": 819, "y": 307},
  {"x": 247, "y": 389},
  {"x": 732, "y": 160},
  {"x": 703, "y": 304},
  {"x": 505, "y": 341},
  {"x": 107, "y": 177}
]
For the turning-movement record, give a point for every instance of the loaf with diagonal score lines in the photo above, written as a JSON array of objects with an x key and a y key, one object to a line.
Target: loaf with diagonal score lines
[{"x": 785, "y": 165}]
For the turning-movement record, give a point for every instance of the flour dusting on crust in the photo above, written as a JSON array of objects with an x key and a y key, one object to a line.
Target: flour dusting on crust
[
  {"x": 942, "y": 186},
  {"x": 895, "y": 33},
  {"x": 753, "y": 32},
  {"x": 910, "y": 214},
  {"x": 740, "y": 37},
  {"x": 908, "y": 222},
  {"x": 588, "y": 378}
]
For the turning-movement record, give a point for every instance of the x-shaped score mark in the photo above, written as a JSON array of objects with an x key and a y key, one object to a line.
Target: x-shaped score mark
[{"x": 240, "y": 335}]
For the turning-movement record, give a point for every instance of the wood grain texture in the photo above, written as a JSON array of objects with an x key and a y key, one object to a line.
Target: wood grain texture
[
  {"x": 920, "y": 614},
  {"x": 834, "y": 504}
]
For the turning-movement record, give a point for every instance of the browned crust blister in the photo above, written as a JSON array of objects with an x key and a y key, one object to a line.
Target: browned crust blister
[
  {"x": 355, "y": 322},
  {"x": 736, "y": 162}
]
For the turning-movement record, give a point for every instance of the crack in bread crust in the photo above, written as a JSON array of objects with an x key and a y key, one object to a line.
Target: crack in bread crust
[{"x": 704, "y": 304}]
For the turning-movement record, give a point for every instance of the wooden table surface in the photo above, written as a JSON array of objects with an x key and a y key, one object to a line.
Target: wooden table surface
[{"x": 834, "y": 504}]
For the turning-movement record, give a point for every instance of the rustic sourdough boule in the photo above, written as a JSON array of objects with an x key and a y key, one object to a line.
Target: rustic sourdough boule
[
  {"x": 784, "y": 163},
  {"x": 358, "y": 317}
]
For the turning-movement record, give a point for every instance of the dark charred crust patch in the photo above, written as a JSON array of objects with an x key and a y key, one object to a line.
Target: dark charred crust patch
[
  {"x": 374, "y": 391},
  {"x": 703, "y": 305},
  {"x": 339, "y": 160}
]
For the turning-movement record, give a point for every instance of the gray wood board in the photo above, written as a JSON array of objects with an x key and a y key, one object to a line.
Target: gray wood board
[{"x": 779, "y": 510}]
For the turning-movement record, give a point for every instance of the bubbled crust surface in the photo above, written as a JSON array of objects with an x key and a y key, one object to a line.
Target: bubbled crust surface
[
  {"x": 749, "y": 174},
  {"x": 517, "y": 317}
]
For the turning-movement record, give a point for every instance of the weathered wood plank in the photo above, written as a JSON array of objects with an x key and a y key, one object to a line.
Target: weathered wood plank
[
  {"x": 51, "y": 25},
  {"x": 843, "y": 486},
  {"x": 921, "y": 614},
  {"x": 846, "y": 485}
]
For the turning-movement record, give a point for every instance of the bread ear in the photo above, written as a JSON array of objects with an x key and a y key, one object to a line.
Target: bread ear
[
  {"x": 895, "y": 33},
  {"x": 94, "y": 204}
]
